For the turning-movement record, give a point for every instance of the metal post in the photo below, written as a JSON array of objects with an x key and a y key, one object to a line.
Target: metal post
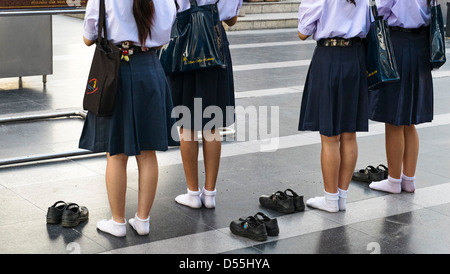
[
  {"x": 224, "y": 132},
  {"x": 41, "y": 157}
]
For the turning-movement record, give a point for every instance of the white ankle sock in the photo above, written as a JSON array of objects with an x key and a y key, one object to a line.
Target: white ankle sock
[
  {"x": 391, "y": 185},
  {"x": 190, "y": 199},
  {"x": 408, "y": 183},
  {"x": 141, "y": 226},
  {"x": 112, "y": 227},
  {"x": 329, "y": 202},
  {"x": 208, "y": 198},
  {"x": 342, "y": 199}
]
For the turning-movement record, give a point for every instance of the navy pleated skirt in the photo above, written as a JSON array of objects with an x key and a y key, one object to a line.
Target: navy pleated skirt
[
  {"x": 142, "y": 116},
  {"x": 335, "y": 94},
  {"x": 195, "y": 91},
  {"x": 410, "y": 100}
]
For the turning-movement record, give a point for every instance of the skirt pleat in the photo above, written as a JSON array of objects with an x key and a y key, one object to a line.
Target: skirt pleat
[
  {"x": 335, "y": 95},
  {"x": 410, "y": 100},
  {"x": 142, "y": 115}
]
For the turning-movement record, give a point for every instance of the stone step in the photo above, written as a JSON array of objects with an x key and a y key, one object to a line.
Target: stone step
[
  {"x": 266, "y": 21},
  {"x": 283, "y": 6},
  {"x": 268, "y": 15},
  {"x": 264, "y": 15}
]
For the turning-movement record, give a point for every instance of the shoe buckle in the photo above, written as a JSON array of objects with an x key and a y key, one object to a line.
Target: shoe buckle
[{"x": 246, "y": 225}]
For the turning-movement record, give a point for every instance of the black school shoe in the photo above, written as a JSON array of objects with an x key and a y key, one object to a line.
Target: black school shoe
[
  {"x": 299, "y": 205},
  {"x": 250, "y": 228},
  {"x": 270, "y": 224},
  {"x": 370, "y": 174},
  {"x": 55, "y": 212},
  {"x": 73, "y": 214},
  {"x": 383, "y": 170},
  {"x": 281, "y": 202},
  {"x": 278, "y": 201}
]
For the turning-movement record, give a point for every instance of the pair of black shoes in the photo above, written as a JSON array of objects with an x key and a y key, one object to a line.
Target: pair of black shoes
[
  {"x": 284, "y": 202},
  {"x": 371, "y": 174},
  {"x": 69, "y": 215},
  {"x": 257, "y": 227}
]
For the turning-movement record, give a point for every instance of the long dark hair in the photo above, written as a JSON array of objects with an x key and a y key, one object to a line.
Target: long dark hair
[
  {"x": 354, "y": 3},
  {"x": 144, "y": 11}
]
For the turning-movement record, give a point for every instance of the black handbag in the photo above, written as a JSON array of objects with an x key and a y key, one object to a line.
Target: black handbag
[
  {"x": 196, "y": 41},
  {"x": 437, "y": 37},
  {"x": 101, "y": 88},
  {"x": 380, "y": 62}
]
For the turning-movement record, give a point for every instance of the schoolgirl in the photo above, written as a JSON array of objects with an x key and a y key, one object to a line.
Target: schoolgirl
[
  {"x": 197, "y": 91},
  {"x": 404, "y": 104},
  {"x": 334, "y": 101},
  {"x": 141, "y": 123}
]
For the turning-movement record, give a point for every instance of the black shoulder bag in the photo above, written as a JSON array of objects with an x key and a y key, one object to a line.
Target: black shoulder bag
[
  {"x": 380, "y": 62},
  {"x": 101, "y": 88},
  {"x": 437, "y": 37},
  {"x": 196, "y": 41}
]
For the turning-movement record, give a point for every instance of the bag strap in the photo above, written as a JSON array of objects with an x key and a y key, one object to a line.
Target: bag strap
[
  {"x": 373, "y": 8},
  {"x": 193, "y": 3},
  {"x": 102, "y": 21}
]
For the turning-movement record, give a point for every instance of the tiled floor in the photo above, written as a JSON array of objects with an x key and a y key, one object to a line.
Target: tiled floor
[{"x": 271, "y": 68}]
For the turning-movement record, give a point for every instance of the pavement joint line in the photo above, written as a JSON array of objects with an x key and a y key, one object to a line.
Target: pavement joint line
[
  {"x": 272, "y": 44},
  {"x": 299, "y": 89},
  {"x": 306, "y": 62},
  {"x": 272, "y": 65}
]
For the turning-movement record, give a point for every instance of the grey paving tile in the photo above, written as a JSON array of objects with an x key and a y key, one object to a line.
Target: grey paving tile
[
  {"x": 422, "y": 231},
  {"x": 43, "y": 172},
  {"x": 36, "y": 237},
  {"x": 340, "y": 240}
]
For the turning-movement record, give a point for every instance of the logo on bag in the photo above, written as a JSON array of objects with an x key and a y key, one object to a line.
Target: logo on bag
[
  {"x": 370, "y": 74},
  {"x": 91, "y": 86},
  {"x": 197, "y": 60}
]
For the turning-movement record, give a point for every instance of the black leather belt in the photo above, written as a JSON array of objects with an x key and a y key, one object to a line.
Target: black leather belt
[
  {"x": 417, "y": 30},
  {"x": 338, "y": 42},
  {"x": 129, "y": 49}
]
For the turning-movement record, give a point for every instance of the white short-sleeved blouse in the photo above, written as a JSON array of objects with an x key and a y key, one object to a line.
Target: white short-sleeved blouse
[
  {"x": 409, "y": 14},
  {"x": 122, "y": 25},
  {"x": 227, "y": 8},
  {"x": 334, "y": 18}
]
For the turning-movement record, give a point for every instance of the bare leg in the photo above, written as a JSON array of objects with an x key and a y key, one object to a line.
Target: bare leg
[
  {"x": 116, "y": 184},
  {"x": 395, "y": 148},
  {"x": 410, "y": 158},
  {"x": 189, "y": 155},
  {"x": 148, "y": 181},
  {"x": 349, "y": 156},
  {"x": 411, "y": 151},
  {"x": 212, "y": 147},
  {"x": 331, "y": 162}
]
